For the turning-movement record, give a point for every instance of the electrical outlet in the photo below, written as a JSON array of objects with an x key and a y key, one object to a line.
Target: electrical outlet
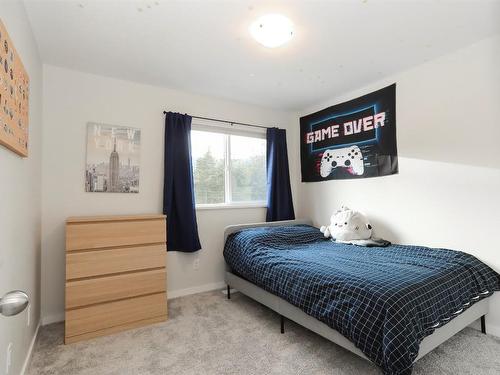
[
  {"x": 196, "y": 263},
  {"x": 8, "y": 361}
]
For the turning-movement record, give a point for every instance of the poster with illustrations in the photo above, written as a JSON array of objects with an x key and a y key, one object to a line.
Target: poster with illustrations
[
  {"x": 14, "y": 97},
  {"x": 112, "y": 159},
  {"x": 354, "y": 139}
]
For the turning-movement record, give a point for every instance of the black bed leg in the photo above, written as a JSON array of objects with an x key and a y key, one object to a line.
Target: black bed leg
[
  {"x": 228, "y": 292},
  {"x": 483, "y": 324},
  {"x": 282, "y": 321}
]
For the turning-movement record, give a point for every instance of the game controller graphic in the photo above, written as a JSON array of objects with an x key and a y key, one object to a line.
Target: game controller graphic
[{"x": 350, "y": 158}]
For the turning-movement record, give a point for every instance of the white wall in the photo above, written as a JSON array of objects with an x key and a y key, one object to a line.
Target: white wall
[
  {"x": 71, "y": 99},
  {"x": 447, "y": 193},
  {"x": 20, "y": 202}
]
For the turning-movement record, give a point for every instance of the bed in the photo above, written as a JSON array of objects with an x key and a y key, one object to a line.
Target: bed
[{"x": 387, "y": 305}]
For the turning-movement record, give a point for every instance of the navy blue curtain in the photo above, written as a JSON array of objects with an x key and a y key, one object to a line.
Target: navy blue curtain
[
  {"x": 279, "y": 192},
  {"x": 178, "y": 191}
]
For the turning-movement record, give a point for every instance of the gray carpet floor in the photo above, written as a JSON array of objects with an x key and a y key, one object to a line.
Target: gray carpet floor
[{"x": 207, "y": 334}]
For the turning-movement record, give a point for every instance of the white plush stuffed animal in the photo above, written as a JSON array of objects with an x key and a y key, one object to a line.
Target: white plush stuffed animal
[{"x": 347, "y": 225}]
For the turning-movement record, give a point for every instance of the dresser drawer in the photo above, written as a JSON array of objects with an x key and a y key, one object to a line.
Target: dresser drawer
[
  {"x": 109, "y": 261},
  {"x": 119, "y": 313},
  {"x": 111, "y": 288},
  {"x": 94, "y": 235}
]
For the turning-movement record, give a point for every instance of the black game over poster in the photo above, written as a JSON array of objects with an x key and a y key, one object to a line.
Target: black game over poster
[{"x": 354, "y": 139}]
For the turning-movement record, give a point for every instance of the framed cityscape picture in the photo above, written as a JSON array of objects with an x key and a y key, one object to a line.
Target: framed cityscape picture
[{"x": 113, "y": 155}]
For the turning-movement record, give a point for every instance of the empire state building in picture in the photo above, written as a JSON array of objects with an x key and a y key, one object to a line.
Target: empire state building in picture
[{"x": 114, "y": 171}]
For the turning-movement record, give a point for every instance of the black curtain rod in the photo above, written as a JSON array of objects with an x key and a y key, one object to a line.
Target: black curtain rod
[{"x": 227, "y": 122}]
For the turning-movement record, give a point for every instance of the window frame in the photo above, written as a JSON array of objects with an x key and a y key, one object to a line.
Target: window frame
[{"x": 221, "y": 128}]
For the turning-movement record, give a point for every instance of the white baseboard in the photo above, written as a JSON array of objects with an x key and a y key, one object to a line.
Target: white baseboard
[
  {"x": 490, "y": 329},
  {"x": 27, "y": 360},
  {"x": 196, "y": 289},
  {"x": 54, "y": 318}
]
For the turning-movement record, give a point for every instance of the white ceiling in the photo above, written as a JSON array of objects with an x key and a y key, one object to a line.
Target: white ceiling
[{"x": 204, "y": 46}]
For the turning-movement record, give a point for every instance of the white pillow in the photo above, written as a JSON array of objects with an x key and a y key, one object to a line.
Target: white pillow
[{"x": 347, "y": 225}]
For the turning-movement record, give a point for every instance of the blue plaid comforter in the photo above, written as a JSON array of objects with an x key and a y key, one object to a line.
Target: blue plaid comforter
[{"x": 385, "y": 300}]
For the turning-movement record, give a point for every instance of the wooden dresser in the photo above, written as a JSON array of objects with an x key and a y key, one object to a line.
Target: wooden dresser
[{"x": 115, "y": 274}]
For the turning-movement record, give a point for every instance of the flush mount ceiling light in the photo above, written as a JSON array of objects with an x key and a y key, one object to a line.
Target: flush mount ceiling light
[{"x": 272, "y": 30}]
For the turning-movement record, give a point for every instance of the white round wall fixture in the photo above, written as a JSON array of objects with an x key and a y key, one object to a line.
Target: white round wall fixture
[{"x": 272, "y": 30}]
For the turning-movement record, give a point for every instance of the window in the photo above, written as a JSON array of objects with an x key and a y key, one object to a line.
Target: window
[{"x": 229, "y": 167}]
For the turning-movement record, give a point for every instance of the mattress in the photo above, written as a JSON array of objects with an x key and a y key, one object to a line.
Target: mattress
[{"x": 385, "y": 300}]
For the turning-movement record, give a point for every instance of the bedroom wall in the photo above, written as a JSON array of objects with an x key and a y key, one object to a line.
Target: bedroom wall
[
  {"x": 447, "y": 191},
  {"x": 20, "y": 205},
  {"x": 71, "y": 100}
]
